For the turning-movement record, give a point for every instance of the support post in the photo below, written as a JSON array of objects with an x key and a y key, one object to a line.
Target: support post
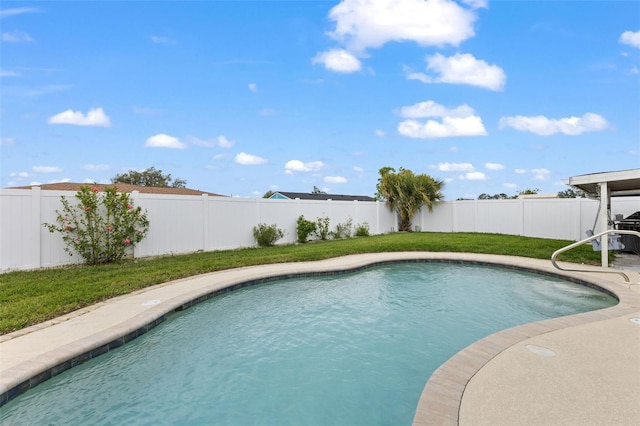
[{"x": 603, "y": 221}]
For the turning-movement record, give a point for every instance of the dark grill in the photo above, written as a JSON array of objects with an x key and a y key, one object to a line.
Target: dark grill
[{"x": 630, "y": 223}]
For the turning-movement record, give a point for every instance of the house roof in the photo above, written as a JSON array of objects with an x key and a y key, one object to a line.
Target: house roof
[
  {"x": 334, "y": 197},
  {"x": 120, "y": 187}
]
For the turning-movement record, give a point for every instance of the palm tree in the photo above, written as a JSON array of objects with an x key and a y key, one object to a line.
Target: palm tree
[{"x": 406, "y": 193}]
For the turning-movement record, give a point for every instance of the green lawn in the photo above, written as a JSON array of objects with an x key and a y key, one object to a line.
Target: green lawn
[{"x": 30, "y": 297}]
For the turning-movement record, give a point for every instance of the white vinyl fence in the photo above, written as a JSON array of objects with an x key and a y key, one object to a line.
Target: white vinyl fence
[{"x": 184, "y": 224}]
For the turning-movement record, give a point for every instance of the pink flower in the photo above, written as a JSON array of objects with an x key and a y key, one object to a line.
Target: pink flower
[
  {"x": 77, "y": 240},
  {"x": 95, "y": 189},
  {"x": 126, "y": 241},
  {"x": 86, "y": 209},
  {"x": 68, "y": 228},
  {"x": 129, "y": 206},
  {"x": 109, "y": 228}
]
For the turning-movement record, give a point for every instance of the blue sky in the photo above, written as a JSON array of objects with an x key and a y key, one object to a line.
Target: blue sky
[{"x": 243, "y": 97}]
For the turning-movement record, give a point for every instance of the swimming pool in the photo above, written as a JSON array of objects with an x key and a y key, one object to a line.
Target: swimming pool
[{"x": 347, "y": 349}]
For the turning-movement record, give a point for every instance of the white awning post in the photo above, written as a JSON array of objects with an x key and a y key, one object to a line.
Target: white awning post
[{"x": 603, "y": 220}]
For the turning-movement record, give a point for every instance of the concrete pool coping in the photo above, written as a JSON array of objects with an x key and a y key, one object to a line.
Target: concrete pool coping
[{"x": 509, "y": 377}]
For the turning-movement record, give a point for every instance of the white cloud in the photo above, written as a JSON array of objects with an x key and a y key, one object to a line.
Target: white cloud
[
  {"x": 459, "y": 121},
  {"x": 221, "y": 141},
  {"x": 335, "y": 179},
  {"x": 379, "y": 133},
  {"x": 540, "y": 174},
  {"x": 449, "y": 127},
  {"x": 95, "y": 117},
  {"x": 17, "y": 37},
  {"x": 631, "y": 38},
  {"x": 249, "y": 159},
  {"x": 433, "y": 109},
  {"x": 96, "y": 167},
  {"x": 510, "y": 185},
  {"x": 455, "y": 167},
  {"x": 475, "y": 176},
  {"x": 462, "y": 69},
  {"x": 363, "y": 24},
  {"x": 544, "y": 126},
  {"x": 19, "y": 175},
  {"x": 338, "y": 60},
  {"x": 46, "y": 169},
  {"x": 163, "y": 40},
  {"x": 520, "y": 171},
  {"x": 4, "y": 73},
  {"x": 18, "y": 11},
  {"x": 162, "y": 140},
  {"x": 253, "y": 87},
  {"x": 298, "y": 166},
  {"x": 45, "y": 90},
  {"x": 494, "y": 166},
  {"x": 7, "y": 141},
  {"x": 358, "y": 169}
]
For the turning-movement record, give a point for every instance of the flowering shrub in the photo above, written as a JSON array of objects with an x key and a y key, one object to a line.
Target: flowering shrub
[{"x": 103, "y": 227}]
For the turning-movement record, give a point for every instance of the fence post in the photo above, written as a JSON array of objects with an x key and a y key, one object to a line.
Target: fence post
[
  {"x": 205, "y": 222},
  {"x": 134, "y": 200},
  {"x": 36, "y": 223},
  {"x": 522, "y": 216}
]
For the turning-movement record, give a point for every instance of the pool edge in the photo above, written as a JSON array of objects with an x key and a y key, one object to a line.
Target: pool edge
[{"x": 435, "y": 406}]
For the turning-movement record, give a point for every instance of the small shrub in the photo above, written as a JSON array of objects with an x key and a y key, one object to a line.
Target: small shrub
[
  {"x": 267, "y": 235},
  {"x": 304, "y": 228},
  {"x": 322, "y": 227},
  {"x": 362, "y": 230},
  {"x": 343, "y": 230},
  {"x": 103, "y": 227}
]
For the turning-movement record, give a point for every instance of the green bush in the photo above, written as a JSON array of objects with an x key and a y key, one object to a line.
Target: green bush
[
  {"x": 267, "y": 235},
  {"x": 362, "y": 230},
  {"x": 342, "y": 230},
  {"x": 304, "y": 228},
  {"x": 322, "y": 227},
  {"x": 103, "y": 227}
]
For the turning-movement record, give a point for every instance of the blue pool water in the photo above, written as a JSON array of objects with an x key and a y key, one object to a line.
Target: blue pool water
[{"x": 354, "y": 349}]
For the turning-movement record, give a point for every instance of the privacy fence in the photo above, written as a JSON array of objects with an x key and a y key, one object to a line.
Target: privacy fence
[{"x": 184, "y": 224}]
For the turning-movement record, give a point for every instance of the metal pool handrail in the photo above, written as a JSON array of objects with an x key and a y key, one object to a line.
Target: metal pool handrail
[{"x": 586, "y": 240}]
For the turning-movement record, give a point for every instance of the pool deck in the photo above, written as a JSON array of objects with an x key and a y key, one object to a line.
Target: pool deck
[{"x": 578, "y": 370}]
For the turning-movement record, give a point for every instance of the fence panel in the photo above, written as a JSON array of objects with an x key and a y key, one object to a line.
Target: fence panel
[
  {"x": 499, "y": 216},
  {"x": 182, "y": 224},
  {"x": 175, "y": 224}
]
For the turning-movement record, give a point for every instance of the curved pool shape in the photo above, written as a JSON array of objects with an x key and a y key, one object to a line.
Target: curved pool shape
[{"x": 343, "y": 349}]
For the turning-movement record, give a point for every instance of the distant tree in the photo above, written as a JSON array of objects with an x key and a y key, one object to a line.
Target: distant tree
[
  {"x": 501, "y": 196},
  {"x": 317, "y": 190},
  {"x": 149, "y": 177},
  {"x": 268, "y": 194},
  {"x": 571, "y": 193},
  {"x": 406, "y": 193},
  {"x": 528, "y": 191}
]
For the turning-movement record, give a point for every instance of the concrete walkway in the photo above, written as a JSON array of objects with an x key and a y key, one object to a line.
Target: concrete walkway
[{"x": 583, "y": 369}]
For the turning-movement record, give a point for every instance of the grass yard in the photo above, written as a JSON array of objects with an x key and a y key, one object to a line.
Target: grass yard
[{"x": 31, "y": 297}]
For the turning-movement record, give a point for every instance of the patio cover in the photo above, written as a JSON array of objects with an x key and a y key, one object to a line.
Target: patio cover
[
  {"x": 621, "y": 183},
  {"x": 604, "y": 186}
]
